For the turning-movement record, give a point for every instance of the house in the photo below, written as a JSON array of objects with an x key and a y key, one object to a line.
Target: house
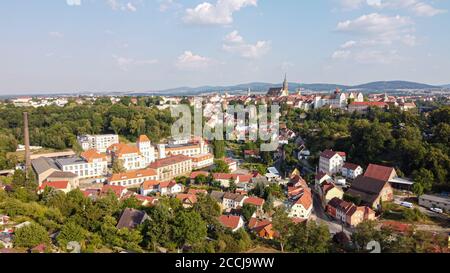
[
  {"x": 65, "y": 176},
  {"x": 302, "y": 207},
  {"x": 262, "y": 228},
  {"x": 379, "y": 172},
  {"x": 132, "y": 179},
  {"x": 251, "y": 154},
  {"x": 98, "y": 142},
  {"x": 351, "y": 171},
  {"x": 329, "y": 191},
  {"x": 232, "y": 222},
  {"x": 202, "y": 161},
  {"x": 371, "y": 191},
  {"x": 43, "y": 167},
  {"x": 169, "y": 188},
  {"x": 131, "y": 218},
  {"x": 321, "y": 177},
  {"x": 129, "y": 156},
  {"x": 218, "y": 197},
  {"x": 63, "y": 186},
  {"x": 273, "y": 174},
  {"x": 224, "y": 179},
  {"x": 349, "y": 213},
  {"x": 119, "y": 191},
  {"x": 362, "y": 107},
  {"x": 84, "y": 167},
  {"x": 255, "y": 201},
  {"x": 147, "y": 201},
  {"x": 188, "y": 200},
  {"x": 233, "y": 200},
  {"x": 232, "y": 164},
  {"x": 171, "y": 167},
  {"x": 331, "y": 162}
]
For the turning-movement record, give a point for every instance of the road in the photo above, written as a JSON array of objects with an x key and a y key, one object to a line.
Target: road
[{"x": 320, "y": 216}]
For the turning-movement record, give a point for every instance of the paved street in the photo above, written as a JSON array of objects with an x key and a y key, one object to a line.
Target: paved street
[{"x": 320, "y": 216}]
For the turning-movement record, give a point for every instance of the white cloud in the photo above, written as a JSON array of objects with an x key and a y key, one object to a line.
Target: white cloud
[
  {"x": 235, "y": 43},
  {"x": 56, "y": 34},
  {"x": 131, "y": 7},
  {"x": 219, "y": 14},
  {"x": 73, "y": 2},
  {"x": 120, "y": 5},
  {"x": 165, "y": 5},
  {"x": 419, "y": 8},
  {"x": 125, "y": 63},
  {"x": 423, "y": 9},
  {"x": 378, "y": 38},
  {"x": 191, "y": 61}
]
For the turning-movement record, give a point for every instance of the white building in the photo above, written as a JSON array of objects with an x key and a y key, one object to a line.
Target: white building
[
  {"x": 133, "y": 178},
  {"x": 331, "y": 162},
  {"x": 98, "y": 142},
  {"x": 352, "y": 171},
  {"x": 146, "y": 149},
  {"x": 302, "y": 207},
  {"x": 89, "y": 165}
]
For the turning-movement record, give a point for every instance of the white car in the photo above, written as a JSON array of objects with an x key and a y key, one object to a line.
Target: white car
[{"x": 437, "y": 210}]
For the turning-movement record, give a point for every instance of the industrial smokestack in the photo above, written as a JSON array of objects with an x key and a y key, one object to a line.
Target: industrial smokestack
[{"x": 26, "y": 137}]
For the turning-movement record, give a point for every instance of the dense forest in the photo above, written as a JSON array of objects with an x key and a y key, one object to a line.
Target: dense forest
[{"x": 57, "y": 127}]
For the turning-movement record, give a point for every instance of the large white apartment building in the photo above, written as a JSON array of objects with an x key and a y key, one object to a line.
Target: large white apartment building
[
  {"x": 133, "y": 157},
  {"x": 171, "y": 167},
  {"x": 90, "y": 164},
  {"x": 98, "y": 142}
]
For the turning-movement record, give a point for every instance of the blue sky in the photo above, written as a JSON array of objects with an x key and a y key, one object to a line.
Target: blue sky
[{"x": 140, "y": 45}]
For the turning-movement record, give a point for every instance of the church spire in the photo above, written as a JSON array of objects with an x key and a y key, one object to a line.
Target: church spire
[{"x": 285, "y": 83}]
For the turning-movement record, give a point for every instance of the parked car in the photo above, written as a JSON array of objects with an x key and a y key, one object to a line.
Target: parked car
[
  {"x": 437, "y": 210},
  {"x": 407, "y": 205}
]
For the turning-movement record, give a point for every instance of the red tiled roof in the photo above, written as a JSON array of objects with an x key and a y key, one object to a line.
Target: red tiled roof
[
  {"x": 305, "y": 200},
  {"x": 59, "y": 185},
  {"x": 92, "y": 154},
  {"x": 350, "y": 166},
  {"x": 120, "y": 149},
  {"x": 330, "y": 153},
  {"x": 164, "y": 162},
  {"x": 254, "y": 201},
  {"x": 198, "y": 173},
  {"x": 192, "y": 198},
  {"x": 143, "y": 138},
  {"x": 133, "y": 174},
  {"x": 197, "y": 191},
  {"x": 379, "y": 172},
  {"x": 369, "y": 103},
  {"x": 150, "y": 184},
  {"x": 230, "y": 221},
  {"x": 116, "y": 189}
]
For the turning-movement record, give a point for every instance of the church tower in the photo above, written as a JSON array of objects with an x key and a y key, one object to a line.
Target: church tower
[{"x": 285, "y": 90}]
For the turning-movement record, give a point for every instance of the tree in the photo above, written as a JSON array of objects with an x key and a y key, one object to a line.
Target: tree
[
  {"x": 118, "y": 167},
  {"x": 283, "y": 225},
  {"x": 220, "y": 166},
  {"x": 71, "y": 232},
  {"x": 157, "y": 230},
  {"x": 219, "y": 148},
  {"x": 31, "y": 235},
  {"x": 208, "y": 209},
  {"x": 423, "y": 179},
  {"x": 309, "y": 238},
  {"x": 188, "y": 228},
  {"x": 201, "y": 179},
  {"x": 118, "y": 124},
  {"x": 247, "y": 211}
]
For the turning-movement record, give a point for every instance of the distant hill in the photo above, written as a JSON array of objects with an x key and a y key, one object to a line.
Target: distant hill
[
  {"x": 393, "y": 85},
  {"x": 446, "y": 86},
  {"x": 263, "y": 87}
]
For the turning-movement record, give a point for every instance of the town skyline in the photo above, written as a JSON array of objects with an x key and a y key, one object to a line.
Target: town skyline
[{"x": 157, "y": 45}]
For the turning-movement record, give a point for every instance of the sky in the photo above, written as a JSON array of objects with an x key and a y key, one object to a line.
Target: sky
[{"x": 144, "y": 45}]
